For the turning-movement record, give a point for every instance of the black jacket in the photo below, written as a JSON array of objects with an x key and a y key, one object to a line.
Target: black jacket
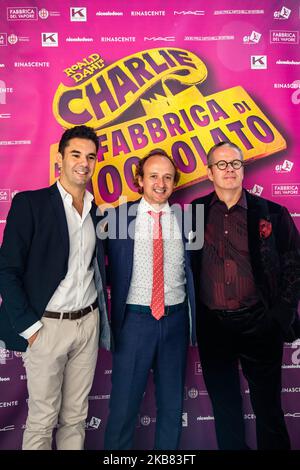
[
  {"x": 275, "y": 261},
  {"x": 34, "y": 260}
]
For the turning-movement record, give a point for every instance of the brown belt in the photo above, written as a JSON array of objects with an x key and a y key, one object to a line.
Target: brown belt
[{"x": 72, "y": 315}]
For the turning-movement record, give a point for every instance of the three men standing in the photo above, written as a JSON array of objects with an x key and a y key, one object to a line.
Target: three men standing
[{"x": 52, "y": 282}]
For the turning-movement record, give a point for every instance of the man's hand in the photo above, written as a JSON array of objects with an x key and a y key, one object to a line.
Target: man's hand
[{"x": 32, "y": 338}]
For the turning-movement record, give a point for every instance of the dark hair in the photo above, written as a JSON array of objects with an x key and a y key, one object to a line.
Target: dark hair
[
  {"x": 79, "y": 132},
  {"x": 139, "y": 171},
  {"x": 222, "y": 144}
]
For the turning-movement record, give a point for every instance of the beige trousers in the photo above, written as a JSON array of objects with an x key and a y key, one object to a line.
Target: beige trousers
[{"x": 60, "y": 367}]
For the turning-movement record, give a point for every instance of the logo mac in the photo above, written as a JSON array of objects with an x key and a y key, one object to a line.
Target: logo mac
[
  {"x": 160, "y": 38},
  {"x": 190, "y": 12}
]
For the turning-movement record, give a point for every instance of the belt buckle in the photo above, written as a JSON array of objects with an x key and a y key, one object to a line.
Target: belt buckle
[
  {"x": 80, "y": 313},
  {"x": 223, "y": 313},
  {"x": 69, "y": 315}
]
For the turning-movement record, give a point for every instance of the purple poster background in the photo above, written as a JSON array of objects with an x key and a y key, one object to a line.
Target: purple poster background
[{"x": 248, "y": 44}]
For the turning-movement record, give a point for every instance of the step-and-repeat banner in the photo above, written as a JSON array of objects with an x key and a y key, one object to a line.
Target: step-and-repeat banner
[{"x": 180, "y": 75}]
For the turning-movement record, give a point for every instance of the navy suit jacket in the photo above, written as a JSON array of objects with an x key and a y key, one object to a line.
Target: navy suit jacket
[
  {"x": 120, "y": 263},
  {"x": 275, "y": 261},
  {"x": 34, "y": 260}
]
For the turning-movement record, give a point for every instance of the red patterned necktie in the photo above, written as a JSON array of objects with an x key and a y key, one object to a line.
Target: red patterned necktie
[{"x": 158, "y": 295}]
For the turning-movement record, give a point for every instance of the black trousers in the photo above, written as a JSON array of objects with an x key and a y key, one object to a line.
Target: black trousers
[{"x": 251, "y": 339}]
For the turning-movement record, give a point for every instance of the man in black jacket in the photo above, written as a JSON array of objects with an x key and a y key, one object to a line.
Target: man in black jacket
[
  {"x": 247, "y": 290},
  {"x": 52, "y": 283}
]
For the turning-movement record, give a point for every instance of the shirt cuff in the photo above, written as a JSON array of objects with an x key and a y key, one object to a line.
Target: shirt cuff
[{"x": 31, "y": 330}]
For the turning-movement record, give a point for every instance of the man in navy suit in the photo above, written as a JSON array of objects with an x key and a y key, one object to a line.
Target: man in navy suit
[
  {"x": 52, "y": 283},
  {"x": 247, "y": 286},
  {"x": 144, "y": 341}
]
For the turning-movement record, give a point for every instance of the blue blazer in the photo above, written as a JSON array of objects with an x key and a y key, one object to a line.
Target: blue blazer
[
  {"x": 34, "y": 260},
  {"x": 120, "y": 263}
]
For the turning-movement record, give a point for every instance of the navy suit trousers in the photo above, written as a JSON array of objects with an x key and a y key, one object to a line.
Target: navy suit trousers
[{"x": 144, "y": 344}]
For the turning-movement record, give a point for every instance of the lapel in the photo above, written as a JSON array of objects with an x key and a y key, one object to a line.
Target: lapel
[
  {"x": 93, "y": 213},
  {"x": 60, "y": 216},
  {"x": 131, "y": 219},
  {"x": 206, "y": 202},
  {"x": 256, "y": 209},
  {"x": 99, "y": 250}
]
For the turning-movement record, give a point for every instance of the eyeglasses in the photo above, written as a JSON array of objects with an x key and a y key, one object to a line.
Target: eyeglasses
[{"x": 222, "y": 164}]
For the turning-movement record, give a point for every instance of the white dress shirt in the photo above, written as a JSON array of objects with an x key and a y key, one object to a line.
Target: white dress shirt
[
  {"x": 140, "y": 291},
  {"x": 77, "y": 290}
]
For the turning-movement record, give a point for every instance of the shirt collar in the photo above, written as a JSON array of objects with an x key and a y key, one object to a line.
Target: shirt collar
[
  {"x": 242, "y": 202},
  {"x": 144, "y": 207},
  {"x": 87, "y": 199}
]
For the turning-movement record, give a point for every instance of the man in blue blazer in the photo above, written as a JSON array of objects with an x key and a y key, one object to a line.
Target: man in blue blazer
[
  {"x": 52, "y": 283},
  {"x": 143, "y": 338}
]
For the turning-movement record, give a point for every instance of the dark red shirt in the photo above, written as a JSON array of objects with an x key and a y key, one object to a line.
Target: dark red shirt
[{"x": 226, "y": 278}]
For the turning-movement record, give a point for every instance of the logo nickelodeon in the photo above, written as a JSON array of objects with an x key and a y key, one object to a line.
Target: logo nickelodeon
[{"x": 135, "y": 105}]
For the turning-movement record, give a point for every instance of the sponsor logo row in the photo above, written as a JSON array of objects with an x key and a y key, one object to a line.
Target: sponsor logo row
[
  {"x": 51, "y": 39},
  {"x": 278, "y": 189},
  {"x": 76, "y": 13},
  {"x": 145, "y": 420},
  {"x": 276, "y": 36},
  {"x": 93, "y": 423},
  {"x": 257, "y": 62}
]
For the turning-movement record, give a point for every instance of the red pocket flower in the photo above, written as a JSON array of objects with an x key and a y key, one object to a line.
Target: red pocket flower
[{"x": 265, "y": 228}]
